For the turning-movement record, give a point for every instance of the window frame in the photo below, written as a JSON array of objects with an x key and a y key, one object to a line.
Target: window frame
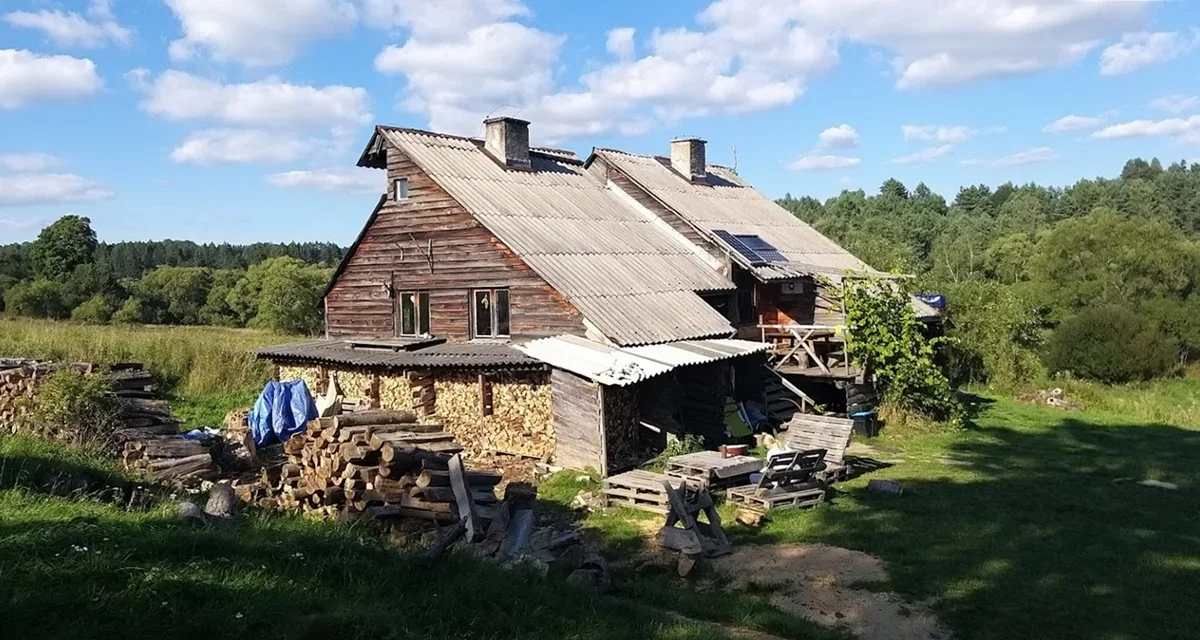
[
  {"x": 397, "y": 196},
  {"x": 494, "y": 318},
  {"x": 421, "y": 315}
]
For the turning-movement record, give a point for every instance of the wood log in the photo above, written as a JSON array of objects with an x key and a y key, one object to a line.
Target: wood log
[
  {"x": 446, "y": 494},
  {"x": 444, "y": 542},
  {"x": 367, "y": 418},
  {"x": 434, "y": 478},
  {"x": 168, "y": 447},
  {"x": 177, "y": 467}
]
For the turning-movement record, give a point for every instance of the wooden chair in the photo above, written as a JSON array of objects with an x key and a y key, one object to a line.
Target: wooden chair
[
  {"x": 808, "y": 432},
  {"x": 789, "y": 480}
]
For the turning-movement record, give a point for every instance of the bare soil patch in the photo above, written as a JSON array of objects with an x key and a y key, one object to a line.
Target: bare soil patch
[{"x": 824, "y": 584}]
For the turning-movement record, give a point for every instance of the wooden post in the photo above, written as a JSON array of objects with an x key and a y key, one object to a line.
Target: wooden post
[
  {"x": 374, "y": 392},
  {"x": 485, "y": 395}
]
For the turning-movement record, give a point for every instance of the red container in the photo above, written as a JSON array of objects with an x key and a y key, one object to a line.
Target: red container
[{"x": 731, "y": 450}]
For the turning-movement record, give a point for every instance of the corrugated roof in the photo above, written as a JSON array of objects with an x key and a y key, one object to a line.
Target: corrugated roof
[
  {"x": 726, "y": 202},
  {"x": 635, "y": 283},
  {"x": 621, "y": 366},
  {"x": 456, "y": 355}
]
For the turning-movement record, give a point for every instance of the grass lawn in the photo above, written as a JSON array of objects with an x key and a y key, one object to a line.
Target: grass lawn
[
  {"x": 81, "y": 568},
  {"x": 1031, "y": 524}
]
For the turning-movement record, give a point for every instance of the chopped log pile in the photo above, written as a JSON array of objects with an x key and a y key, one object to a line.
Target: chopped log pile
[
  {"x": 385, "y": 462},
  {"x": 150, "y": 440},
  {"x": 504, "y": 413},
  {"x": 18, "y": 380}
]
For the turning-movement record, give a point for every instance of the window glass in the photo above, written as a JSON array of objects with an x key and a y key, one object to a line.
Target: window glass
[
  {"x": 408, "y": 314},
  {"x": 423, "y": 311},
  {"x": 402, "y": 189},
  {"x": 483, "y": 313},
  {"x": 501, "y": 312}
]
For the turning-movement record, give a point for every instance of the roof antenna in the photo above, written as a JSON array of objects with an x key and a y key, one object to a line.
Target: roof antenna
[
  {"x": 734, "y": 159},
  {"x": 482, "y": 127}
]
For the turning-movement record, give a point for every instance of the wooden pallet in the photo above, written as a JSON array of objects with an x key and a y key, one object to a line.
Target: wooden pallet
[
  {"x": 810, "y": 495},
  {"x": 710, "y": 469},
  {"x": 639, "y": 489}
]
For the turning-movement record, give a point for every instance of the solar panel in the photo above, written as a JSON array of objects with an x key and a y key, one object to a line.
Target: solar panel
[
  {"x": 751, "y": 247},
  {"x": 737, "y": 246},
  {"x": 762, "y": 248}
]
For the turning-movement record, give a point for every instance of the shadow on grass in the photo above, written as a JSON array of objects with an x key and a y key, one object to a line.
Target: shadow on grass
[
  {"x": 127, "y": 576},
  {"x": 1034, "y": 531}
]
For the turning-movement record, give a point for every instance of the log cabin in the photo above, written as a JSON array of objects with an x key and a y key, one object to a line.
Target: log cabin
[{"x": 580, "y": 311}]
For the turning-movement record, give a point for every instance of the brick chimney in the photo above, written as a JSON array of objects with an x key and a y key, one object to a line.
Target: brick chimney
[
  {"x": 687, "y": 157},
  {"x": 507, "y": 139}
]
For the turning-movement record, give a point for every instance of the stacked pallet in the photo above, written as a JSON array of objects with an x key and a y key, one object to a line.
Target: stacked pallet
[{"x": 386, "y": 462}]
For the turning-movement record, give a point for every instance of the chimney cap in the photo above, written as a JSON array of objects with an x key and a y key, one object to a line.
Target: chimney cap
[
  {"x": 495, "y": 119},
  {"x": 688, "y": 139}
]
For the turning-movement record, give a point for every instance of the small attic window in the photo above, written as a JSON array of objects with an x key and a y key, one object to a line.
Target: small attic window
[{"x": 401, "y": 189}]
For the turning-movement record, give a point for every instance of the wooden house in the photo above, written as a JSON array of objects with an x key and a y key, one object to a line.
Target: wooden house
[{"x": 544, "y": 305}]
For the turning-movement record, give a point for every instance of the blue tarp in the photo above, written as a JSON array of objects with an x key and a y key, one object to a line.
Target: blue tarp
[
  {"x": 935, "y": 300},
  {"x": 283, "y": 409}
]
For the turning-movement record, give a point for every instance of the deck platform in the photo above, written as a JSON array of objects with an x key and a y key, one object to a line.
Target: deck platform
[
  {"x": 710, "y": 469},
  {"x": 640, "y": 489}
]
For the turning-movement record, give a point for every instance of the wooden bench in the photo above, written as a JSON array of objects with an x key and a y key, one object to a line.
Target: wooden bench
[
  {"x": 711, "y": 469},
  {"x": 789, "y": 481},
  {"x": 806, "y": 432},
  {"x": 639, "y": 489}
]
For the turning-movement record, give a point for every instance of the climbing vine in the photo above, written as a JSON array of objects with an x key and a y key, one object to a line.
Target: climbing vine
[{"x": 885, "y": 338}]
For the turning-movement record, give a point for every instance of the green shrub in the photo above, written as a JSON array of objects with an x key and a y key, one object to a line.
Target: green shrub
[
  {"x": 37, "y": 299},
  {"x": 994, "y": 335},
  {"x": 95, "y": 310},
  {"x": 1111, "y": 344},
  {"x": 885, "y": 339},
  {"x": 75, "y": 408}
]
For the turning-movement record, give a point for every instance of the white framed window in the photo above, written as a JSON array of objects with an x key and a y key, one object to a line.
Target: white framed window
[
  {"x": 489, "y": 313},
  {"x": 414, "y": 313},
  {"x": 400, "y": 189}
]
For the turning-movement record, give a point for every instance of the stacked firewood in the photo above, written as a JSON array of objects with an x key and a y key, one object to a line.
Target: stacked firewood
[
  {"x": 501, "y": 413},
  {"x": 383, "y": 461},
  {"x": 18, "y": 380},
  {"x": 150, "y": 439}
]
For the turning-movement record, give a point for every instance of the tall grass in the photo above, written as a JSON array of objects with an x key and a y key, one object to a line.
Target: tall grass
[
  {"x": 193, "y": 360},
  {"x": 1174, "y": 401}
]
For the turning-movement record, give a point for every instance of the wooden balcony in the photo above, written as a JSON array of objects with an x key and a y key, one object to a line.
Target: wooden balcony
[{"x": 817, "y": 351}]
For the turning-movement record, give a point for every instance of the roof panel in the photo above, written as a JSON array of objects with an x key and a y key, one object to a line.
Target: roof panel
[
  {"x": 628, "y": 365},
  {"x": 636, "y": 283}
]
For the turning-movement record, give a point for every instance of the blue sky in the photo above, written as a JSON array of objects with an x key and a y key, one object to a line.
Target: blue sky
[{"x": 241, "y": 120}]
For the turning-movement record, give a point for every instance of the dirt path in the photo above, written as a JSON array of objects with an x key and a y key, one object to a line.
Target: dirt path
[{"x": 818, "y": 582}]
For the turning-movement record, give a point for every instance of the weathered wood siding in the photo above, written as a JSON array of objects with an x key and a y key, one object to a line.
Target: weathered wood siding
[
  {"x": 465, "y": 256},
  {"x": 576, "y": 404}
]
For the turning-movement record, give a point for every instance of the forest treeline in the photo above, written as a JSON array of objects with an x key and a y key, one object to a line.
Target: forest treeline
[
  {"x": 1098, "y": 279},
  {"x": 68, "y": 273}
]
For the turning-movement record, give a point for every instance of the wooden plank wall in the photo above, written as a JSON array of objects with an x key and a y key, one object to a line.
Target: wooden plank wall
[
  {"x": 465, "y": 256},
  {"x": 776, "y": 307},
  {"x": 705, "y": 388},
  {"x": 576, "y": 403}
]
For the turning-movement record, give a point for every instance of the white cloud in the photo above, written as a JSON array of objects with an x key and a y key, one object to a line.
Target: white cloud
[
  {"x": 937, "y": 44},
  {"x": 23, "y": 189},
  {"x": 268, "y": 103},
  {"x": 1177, "y": 103},
  {"x": 954, "y": 134},
  {"x": 925, "y": 155},
  {"x": 1073, "y": 123},
  {"x": 240, "y": 146},
  {"x": 838, "y": 137},
  {"x": 1142, "y": 49},
  {"x": 256, "y": 33},
  {"x": 27, "y": 77},
  {"x": 816, "y": 162},
  {"x": 27, "y": 162},
  {"x": 1184, "y": 129},
  {"x": 440, "y": 20},
  {"x": 21, "y": 224},
  {"x": 620, "y": 42},
  {"x": 72, "y": 29},
  {"x": 329, "y": 180},
  {"x": 1030, "y": 156}
]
